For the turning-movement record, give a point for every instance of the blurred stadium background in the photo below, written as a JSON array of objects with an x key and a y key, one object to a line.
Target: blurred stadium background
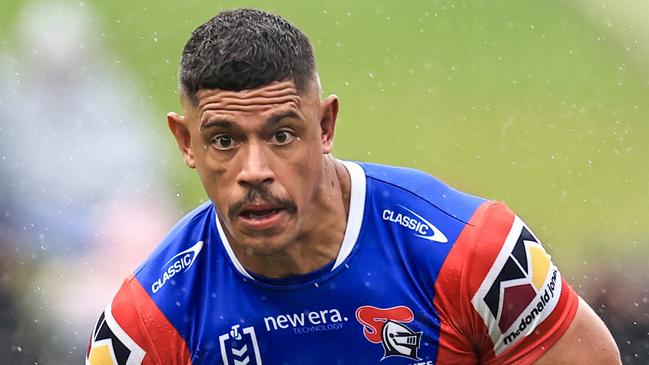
[{"x": 541, "y": 104}]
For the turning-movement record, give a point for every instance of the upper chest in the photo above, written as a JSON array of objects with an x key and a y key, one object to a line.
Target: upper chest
[
  {"x": 348, "y": 319},
  {"x": 376, "y": 307}
]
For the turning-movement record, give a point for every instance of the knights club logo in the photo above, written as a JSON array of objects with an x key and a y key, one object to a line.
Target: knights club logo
[{"x": 386, "y": 326}]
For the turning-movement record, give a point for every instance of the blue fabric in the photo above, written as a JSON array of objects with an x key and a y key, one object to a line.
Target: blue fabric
[{"x": 314, "y": 320}]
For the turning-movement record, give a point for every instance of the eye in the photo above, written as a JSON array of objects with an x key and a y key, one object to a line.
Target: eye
[
  {"x": 223, "y": 142},
  {"x": 282, "y": 137}
]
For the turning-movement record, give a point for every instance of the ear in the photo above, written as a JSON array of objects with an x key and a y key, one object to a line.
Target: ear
[
  {"x": 329, "y": 113},
  {"x": 179, "y": 129}
]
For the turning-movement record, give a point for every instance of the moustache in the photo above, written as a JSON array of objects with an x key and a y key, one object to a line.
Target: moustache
[{"x": 257, "y": 193}]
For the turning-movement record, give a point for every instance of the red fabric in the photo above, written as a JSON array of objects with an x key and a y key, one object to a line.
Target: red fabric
[
  {"x": 373, "y": 319},
  {"x": 136, "y": 312},
  {"x": 464, "y": 337}
]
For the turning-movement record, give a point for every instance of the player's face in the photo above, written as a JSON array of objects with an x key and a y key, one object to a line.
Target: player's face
[{"x": 259, "y": 154}]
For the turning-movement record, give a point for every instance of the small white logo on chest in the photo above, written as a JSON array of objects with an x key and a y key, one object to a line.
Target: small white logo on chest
[
  {"x": 181, "y": 262},
  {"x": 421, "y": 227},
  {"x": 239, "y": 346}
]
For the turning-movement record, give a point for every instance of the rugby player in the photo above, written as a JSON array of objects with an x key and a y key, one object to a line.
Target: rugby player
[{"x": 301, "y": 258}]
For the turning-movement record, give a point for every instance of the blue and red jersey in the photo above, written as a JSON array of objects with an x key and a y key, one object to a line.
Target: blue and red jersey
[{"x": 425, "y": 275}]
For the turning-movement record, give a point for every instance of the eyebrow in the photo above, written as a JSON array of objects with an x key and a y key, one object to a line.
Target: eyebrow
[
  {"x": 278, "y": 117},
  {"x": 219, "y": 122},
  {"x": 229, "y": 125}
]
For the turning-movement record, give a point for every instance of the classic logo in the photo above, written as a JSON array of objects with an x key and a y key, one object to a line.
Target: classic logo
[
  {"x": 520, "y": 290},
  {"x": 421, "y": 227},
  {"x": 385, "y": 326},
  {"x": 239, "y": 347},
  {"x": 181, "y": 262},
  {"x": 110, "y": 345}
]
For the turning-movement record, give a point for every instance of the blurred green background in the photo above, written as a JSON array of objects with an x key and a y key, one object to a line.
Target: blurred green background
[{"x": 541, "y": 104}]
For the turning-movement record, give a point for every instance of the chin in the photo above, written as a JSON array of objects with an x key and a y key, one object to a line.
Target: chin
[{"x": 263, "y": 246}]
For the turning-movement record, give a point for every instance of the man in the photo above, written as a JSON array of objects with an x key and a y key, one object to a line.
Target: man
[{"x": 300, "y": 258}]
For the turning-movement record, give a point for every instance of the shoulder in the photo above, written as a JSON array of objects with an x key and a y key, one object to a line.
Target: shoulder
[
  {"x": 418, "y": 219},
  {"x": 426, "y": 189},
  {"x": 501, "y": 291},
  {"x": 423, "y": 216},
  {"x": 132, "y": 330},
  {"x": 496, "y": 289},
  {"x": 184, "y": 241},
  {"x": 133, "y": 327}
]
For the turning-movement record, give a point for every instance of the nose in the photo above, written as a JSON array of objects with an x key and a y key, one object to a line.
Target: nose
[{"x": 255, "y": 168}]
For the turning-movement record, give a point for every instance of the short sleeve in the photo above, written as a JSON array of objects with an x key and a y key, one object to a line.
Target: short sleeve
[
  {"x": 133, "y": 331},
  {"x": 500, "y": 295}
]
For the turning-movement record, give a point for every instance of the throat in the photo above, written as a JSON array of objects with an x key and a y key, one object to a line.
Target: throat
[
  {"x": 295, "y": 278},
  {"x": 303, "y": 257}
]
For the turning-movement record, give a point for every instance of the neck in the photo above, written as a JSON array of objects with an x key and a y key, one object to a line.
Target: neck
[{"x": 321, "y": 237}]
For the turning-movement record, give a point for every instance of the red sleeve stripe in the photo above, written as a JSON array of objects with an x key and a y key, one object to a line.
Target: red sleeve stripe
[
  {"x": 159, "y": 338},
  {"x": 461, "y": 329},
  {"x": 464, "y": 334},
  {"x": 130, "y": 339}
]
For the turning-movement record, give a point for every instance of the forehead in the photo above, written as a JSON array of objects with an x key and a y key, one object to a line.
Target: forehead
[{"x": 277, "y": 96}]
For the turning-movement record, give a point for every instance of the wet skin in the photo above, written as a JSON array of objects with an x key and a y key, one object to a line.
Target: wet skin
[{"x": 263, "y": 157}]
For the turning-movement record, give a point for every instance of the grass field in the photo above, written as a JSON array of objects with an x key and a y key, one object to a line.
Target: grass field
[{"x": 538, "y": 104}]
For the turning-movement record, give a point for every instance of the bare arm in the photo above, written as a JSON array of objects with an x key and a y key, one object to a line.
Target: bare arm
[{"x": 587, "y": 341}]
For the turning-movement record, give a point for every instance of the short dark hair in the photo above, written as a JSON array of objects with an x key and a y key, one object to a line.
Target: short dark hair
[{"x": 243, "y": 49}]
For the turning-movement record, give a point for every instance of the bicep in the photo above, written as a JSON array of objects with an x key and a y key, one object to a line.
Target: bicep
[{"x": 587, "y": 340}]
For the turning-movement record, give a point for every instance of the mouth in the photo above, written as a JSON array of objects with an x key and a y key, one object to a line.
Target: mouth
[
  {"x": 259, "y": 214},
  {"x": 261, "y": 217}
]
